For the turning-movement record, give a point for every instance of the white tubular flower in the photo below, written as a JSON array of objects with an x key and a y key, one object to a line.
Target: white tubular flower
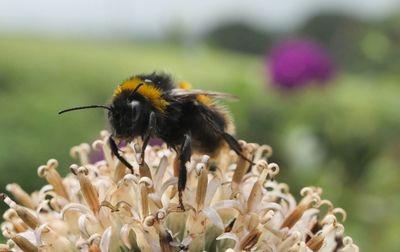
[{"x": 230, "y": 205}]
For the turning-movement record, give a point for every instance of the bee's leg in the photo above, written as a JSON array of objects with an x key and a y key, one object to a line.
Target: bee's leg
[
  {"x": 114, "y": 150},
  {"x": 229, "y": 139},
  {"x": 235, "y": 146},
  {"x": 184, "y": 157},
  {"x": 148, "y": 134}
]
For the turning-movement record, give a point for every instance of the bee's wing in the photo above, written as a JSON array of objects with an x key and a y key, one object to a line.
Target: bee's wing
[{"x": 183, "y": 93}]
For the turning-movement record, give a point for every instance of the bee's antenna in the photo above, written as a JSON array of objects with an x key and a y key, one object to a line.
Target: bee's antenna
[
  {"x": 84, "y": 107},
  {"x": 135, "y": 90}
]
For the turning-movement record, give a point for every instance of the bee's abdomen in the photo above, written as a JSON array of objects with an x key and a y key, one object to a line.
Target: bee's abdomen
[{"x": 207, "y": 125}]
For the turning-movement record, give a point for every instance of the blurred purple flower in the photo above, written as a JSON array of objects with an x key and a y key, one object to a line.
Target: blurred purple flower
[
  {"x": 156, "y": 142},
  {"x": 97, "y": 155},
  {"x": 296, "y": 62}
]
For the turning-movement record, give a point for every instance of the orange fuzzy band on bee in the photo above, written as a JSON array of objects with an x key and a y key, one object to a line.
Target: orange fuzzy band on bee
[
  {"x": 203, "y": 99},
  {"x": 147, "y": 90}
]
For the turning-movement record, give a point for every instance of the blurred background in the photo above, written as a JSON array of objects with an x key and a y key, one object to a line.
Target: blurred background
[{"x": 318, "y": 81}]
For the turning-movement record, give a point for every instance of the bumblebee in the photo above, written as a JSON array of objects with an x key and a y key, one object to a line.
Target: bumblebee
[{"x": 187, "y": 120}]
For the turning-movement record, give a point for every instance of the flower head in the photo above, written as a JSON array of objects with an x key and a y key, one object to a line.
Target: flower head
[
  {"x": 229, "y": 206},
  {"x": 296, "y": 62}
]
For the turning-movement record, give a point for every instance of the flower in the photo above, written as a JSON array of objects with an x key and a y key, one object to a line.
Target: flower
[
  {"x": 295, "y": 63},
  {"x": 229, "y": 206}
]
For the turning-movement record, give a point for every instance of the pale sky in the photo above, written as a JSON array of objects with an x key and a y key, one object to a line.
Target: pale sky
[{"x": 152, "y": 17}]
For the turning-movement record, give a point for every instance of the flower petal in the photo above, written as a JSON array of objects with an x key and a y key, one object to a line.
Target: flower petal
[
  {"x": 106, "y": 240},
  {"x": 213, "y": 216}
]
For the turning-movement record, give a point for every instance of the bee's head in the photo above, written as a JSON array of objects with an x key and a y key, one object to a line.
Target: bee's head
[
  {"x": 128, "y": 113},
  {"x": 128, "y": 117}
]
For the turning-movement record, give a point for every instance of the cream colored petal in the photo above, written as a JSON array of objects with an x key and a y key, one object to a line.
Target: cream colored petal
[
  {"x": 85, "y": 222},
  {"x": 82, "y": 245},
  {"x": 255, "y": 197},
  {"x": 213, "y": 216},
  {"x": 289, "y": 241},
  {"x": 158, "y": 197},
  {"x": 224, "y": 204},
  {"x": 160, "y": 172},
  {"x": 106, "y": 240},
  {"x": 250, "y": 240},
  {"x": 5, "y": 248},
  {"x": 144, "y": 171},
  {"x": 349, "y": 246},
  {"x": 103, "y": 145},
  {"x": 51, "y": 241},
  {"x": 202, "y": 183},
  {"x": 24, "y": 244},
  {"x": 87, "y": 189},
  {"x": 53, "y": 177},
  {"x": 82, "y": 152},
  {"x": 21, "y": 196},
  {"x": 241, "y": 167},
  {"x": 28, "y": 216},
  {"x": 300, "y": 247},
  {"x": 124, "y": 234},
  {"x": 169, "y": 182},
  {"x": 263, "y": 152},
  {"x": 75, "y": 207},
  {"x": 213, "y": 186},
  {"x": 144, "y": 241},
  {"x": 230, "y": 236}
]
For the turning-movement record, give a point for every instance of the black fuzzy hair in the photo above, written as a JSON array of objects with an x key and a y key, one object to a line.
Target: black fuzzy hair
[{"x": 162, "y": 80}]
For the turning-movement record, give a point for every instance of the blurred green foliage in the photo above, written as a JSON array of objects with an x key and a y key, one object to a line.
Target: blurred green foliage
[
  {"x": 355, "y": 45},
  {"x": 343, "y": 137},
  {"x": 240, "y": 37}
]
